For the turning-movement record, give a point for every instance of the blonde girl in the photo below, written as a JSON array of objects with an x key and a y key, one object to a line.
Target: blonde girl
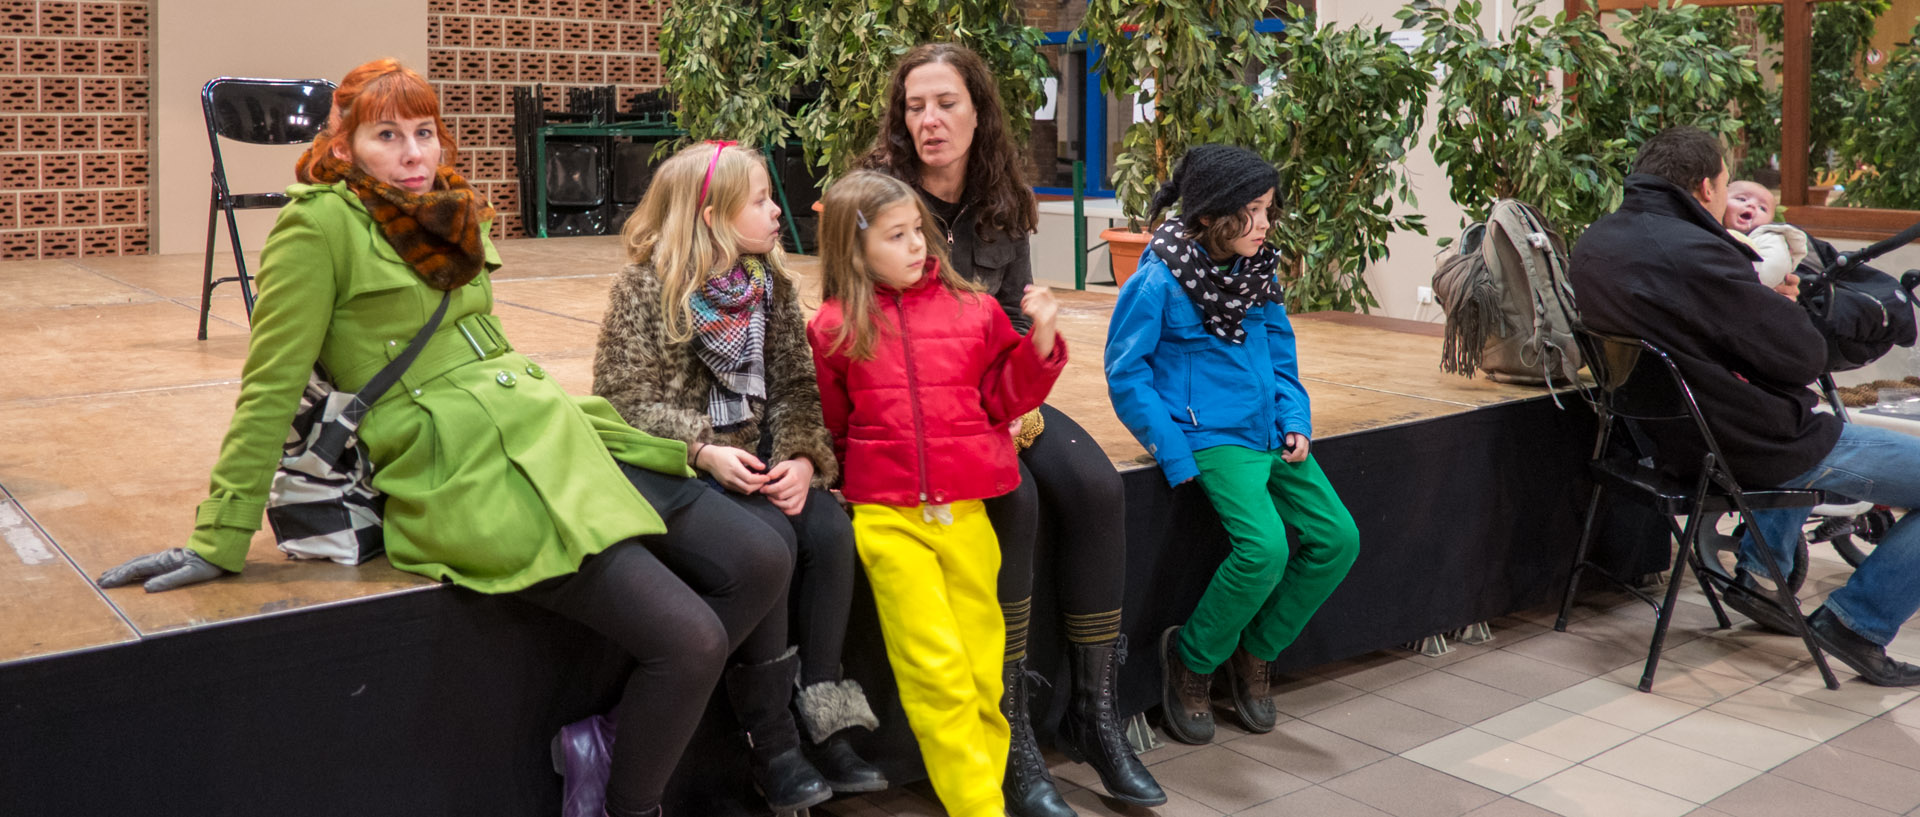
[
  {"x": 704, "y": 342},
  {"x": 920, "y": 375}
]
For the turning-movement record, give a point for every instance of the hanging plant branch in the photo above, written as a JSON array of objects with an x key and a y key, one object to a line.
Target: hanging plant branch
[{"x": 729, "y": 65}]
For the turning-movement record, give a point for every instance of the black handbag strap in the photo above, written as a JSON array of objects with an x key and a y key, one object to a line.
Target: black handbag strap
[{"x": 390, "y": 373}]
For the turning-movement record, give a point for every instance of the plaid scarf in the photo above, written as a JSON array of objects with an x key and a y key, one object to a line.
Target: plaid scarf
[
  {"x": 436, "y": 232},
  {"x": 1223, "y": 296},
  {"x": 730, "y": 331}
]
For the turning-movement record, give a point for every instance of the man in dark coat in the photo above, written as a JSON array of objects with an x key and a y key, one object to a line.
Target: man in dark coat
[{"x": 1662, "y": 268}]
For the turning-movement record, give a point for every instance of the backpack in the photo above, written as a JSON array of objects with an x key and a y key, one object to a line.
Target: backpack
[{"x": 1508, "y": 303}]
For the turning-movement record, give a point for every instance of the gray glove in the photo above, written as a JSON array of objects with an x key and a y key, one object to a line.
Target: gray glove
[{"x": 166, "y": 570}]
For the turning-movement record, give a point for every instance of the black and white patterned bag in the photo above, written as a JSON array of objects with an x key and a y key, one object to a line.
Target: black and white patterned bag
[{"x": 323, "y": 505}]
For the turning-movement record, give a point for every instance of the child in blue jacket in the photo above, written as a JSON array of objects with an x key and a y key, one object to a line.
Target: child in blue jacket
[{"x": 1201, "y": 368}]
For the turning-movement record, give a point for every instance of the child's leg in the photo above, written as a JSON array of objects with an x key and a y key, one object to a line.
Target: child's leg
[
  {"x": 1327, "y": 544},
  {"x": 931, "y": 643},
  {"x": 1235, "y": 478},
  {"x": 971, "y": 560}
]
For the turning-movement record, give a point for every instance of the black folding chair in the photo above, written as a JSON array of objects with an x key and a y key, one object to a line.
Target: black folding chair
[
  {"x": 258, "y": 112},
  {"x": 1637, "y": 383}
]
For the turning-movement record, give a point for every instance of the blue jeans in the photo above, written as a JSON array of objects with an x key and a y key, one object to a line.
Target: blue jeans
[{"x": 1871, "y": 465}]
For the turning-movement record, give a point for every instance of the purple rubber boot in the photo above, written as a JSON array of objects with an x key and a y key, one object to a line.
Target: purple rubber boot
[{"x": 583, "y": 754}]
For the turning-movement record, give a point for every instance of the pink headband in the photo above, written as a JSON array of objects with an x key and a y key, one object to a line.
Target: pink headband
[{"x": 718, "y": 146}]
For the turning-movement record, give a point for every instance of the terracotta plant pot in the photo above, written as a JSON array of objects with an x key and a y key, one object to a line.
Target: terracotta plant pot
[{"x": 1125, "y": 247}]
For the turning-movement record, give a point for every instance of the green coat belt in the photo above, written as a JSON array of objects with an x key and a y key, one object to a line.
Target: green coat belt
[{"x": 495, "y": 478}]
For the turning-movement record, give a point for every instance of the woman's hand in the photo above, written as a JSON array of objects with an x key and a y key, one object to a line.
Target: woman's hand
[
  {"x": 788, "y": 483},
  {"x": 736, "y": 469},
  {"x": 1296, "y": 451},
  {"x": 1039, "y": 305},
  {"x": 166, "y": 570}
]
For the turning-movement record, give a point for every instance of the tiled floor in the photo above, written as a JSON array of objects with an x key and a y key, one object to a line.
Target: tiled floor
[{"x": 1537, "y": 722}]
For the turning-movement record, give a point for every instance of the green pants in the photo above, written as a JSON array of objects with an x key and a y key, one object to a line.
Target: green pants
[{"x": 1264, "y": 593}]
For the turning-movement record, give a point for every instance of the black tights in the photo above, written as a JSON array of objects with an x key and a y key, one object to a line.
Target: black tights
[
  {"x": 822, "y": 578},
  {"x": 1066, "y": 470},
  {"x": 680, "y": 602}
]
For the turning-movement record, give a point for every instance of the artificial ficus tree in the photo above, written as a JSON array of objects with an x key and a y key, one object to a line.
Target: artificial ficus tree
[
  {"x": 1198, "y": 58},
  {"x": 1339, "y": 112},
  {"x": 729, "y": 65}
]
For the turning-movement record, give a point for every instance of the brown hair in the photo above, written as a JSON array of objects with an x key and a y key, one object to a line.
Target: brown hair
[
  {"x": 994, "y": 174},
  {"x": 668, "y": 231},
  {"x": 378, "y": 90},
  {"x": 844, "y": 275}
]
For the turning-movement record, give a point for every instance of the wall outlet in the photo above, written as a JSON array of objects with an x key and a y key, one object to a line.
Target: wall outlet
[{"x": 1423, "y": 294}]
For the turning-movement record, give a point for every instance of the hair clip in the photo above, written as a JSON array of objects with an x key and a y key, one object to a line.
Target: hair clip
[{"x": 859, "y": 218}]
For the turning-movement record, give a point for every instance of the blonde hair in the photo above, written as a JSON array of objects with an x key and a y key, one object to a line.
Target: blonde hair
[
  {"x": 855, "y": 199},
  {"x": 668, "y": 232}
]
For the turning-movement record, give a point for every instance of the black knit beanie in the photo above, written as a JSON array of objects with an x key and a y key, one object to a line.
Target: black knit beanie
[{"x": 1214, "y": 180}]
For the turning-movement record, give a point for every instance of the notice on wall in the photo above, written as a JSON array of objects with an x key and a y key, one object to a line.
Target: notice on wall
[
  {"x": 1143, "y": 101},
  {"x": 1051, "y": 85}
]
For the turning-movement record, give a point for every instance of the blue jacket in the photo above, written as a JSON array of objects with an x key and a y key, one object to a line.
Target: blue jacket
[{"x": 1179, "y": 389}]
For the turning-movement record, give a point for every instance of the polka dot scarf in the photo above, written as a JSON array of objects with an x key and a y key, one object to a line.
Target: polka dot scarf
[{"x": 1223, "y": 296}]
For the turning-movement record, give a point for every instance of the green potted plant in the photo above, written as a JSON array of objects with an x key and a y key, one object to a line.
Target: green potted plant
[
  {"x": 1340, "y": 110},
  {"x": 1195, "y": 58}
]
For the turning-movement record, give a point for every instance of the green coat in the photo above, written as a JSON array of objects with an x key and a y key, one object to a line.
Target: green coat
[{"x": 495, "y": 478}]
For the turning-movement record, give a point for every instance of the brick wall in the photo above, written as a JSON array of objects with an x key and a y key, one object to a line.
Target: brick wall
[
  {"x": 479, "y": 49},
  {"x": 1053, "y": 15},
  {"x": 73, "y": 128}
]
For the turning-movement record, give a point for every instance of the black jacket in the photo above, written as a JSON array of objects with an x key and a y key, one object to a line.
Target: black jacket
[
  {"x": 1663, "y": 269},
  {"x": 1000, "y": 262}
]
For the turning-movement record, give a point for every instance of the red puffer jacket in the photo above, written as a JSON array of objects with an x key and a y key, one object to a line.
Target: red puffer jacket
[{"x": 925, "y": 421}]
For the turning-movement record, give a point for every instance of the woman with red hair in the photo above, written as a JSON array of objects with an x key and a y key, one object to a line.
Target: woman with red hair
[{"x": 495, "y": 479}]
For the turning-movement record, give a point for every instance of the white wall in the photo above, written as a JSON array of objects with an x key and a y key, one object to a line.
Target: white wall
[{"x": 197, "y": 40}]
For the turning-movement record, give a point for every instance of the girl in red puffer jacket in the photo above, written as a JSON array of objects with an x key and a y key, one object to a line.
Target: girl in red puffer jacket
[{"x": 920, "y": 376}]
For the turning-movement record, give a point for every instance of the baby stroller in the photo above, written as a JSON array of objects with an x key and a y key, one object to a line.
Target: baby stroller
[{"x": 1864, "y": 313}]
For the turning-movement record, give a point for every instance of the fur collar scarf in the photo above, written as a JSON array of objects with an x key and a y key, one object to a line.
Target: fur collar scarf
[{"x": 436, "y": 232}]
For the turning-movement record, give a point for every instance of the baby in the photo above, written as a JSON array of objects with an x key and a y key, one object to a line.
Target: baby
[{"x": 1750, "y": 218}]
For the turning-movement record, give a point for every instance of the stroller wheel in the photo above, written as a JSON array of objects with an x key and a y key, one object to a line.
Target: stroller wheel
[{"x": 1849, "y": 551}]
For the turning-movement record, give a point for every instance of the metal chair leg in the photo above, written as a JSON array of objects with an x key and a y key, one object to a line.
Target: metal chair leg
[
  {"x": 1783, "y": 595},
  {"x": 206, "y": 281},
  {"x": 1689, "y": 542},
  {"x": 240, "y": 261},
  {"x": 1579, "y": 558}
]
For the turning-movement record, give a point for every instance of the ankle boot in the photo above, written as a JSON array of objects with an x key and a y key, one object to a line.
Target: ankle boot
[
  {"x": 583, "y": 754},
  {"x": 1184, "y": 694},
  {"x": 1029, "y": 787},
  {"x": 1248, "y": 683},
  {"x": 759, "y": 694},
  {"x": 828, "y": 709},
  {"x": 1092, "y": 732}
]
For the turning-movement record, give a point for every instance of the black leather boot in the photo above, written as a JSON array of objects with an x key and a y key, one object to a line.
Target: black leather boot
[
  {"x": 1092, "y": 732},
  {"x": 1029, "y": 787},
  {"x": 759, "y": 694},
  {"x": 1865, "y": 657}
]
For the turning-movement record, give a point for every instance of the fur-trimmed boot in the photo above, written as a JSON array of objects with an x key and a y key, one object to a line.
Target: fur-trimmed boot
[
  {"x": 1092, "y": 732},
  {"x": 829, "y": 709},
  {"x": 1029, "y": 787},
  {"x": 759, "y": 694}
]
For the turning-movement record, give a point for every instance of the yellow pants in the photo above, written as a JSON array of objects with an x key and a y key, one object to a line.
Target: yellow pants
[{"x": 933, "y": 584}]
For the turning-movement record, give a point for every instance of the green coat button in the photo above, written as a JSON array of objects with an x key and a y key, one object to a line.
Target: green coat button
[
  {"x": 535, "y": 370},
  {"x": 505, "y": 378}
]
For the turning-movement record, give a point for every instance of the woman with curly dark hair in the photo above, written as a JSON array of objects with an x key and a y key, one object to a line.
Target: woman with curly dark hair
[{"x": 946, "y": 133}]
